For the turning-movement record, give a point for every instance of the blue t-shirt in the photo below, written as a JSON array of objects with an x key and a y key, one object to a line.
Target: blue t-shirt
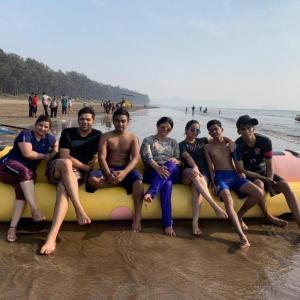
[{"x": 43, "y": 146}]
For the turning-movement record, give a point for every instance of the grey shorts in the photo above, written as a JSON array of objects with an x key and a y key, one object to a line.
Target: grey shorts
[{"x": 50, "y": 173}]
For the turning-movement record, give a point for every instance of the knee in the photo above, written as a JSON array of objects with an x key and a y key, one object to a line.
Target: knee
[
  {"x": 283, "y": 186},
  {"x": 259, "y": 183},
  {"x": 67, "y": 164},
  {"x": 168, "y": 184},
  {"x": 226, "y": 196},
  {"x": 258, "y": 193},
  {"x": 138, "y": 184},
  {"x": 93, "y": 181}
]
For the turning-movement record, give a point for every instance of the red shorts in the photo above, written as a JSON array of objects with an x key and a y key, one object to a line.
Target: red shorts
[{"x": 14, "y": 172}]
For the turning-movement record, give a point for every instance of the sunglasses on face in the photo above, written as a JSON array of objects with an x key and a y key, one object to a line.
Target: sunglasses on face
[{"x": 195, "y": 130}]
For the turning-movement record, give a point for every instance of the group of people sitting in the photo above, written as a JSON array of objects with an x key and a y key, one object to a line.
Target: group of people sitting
[{"x": 244, "y": 166}]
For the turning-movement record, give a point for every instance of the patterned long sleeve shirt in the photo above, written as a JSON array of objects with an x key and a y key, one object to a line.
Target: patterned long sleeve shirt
[{"x": 160, "y": 151}]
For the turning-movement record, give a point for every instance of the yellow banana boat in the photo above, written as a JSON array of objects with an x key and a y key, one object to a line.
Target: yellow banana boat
[{"x": 113, "y": 203}]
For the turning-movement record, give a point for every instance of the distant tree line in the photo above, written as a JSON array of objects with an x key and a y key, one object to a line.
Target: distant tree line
[{"x": 23, "y": 76}]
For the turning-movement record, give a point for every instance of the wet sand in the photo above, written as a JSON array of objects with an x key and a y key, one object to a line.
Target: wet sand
[{"x": 107, "y": 261}]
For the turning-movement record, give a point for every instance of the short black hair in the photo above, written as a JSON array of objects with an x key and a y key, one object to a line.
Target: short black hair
[
  {"x": 43, "y": 118},
  {"x": 190, "y": 123},
  {"x": 213, "y": 122},
  {"x": 121, "y": 112},
  {"x": 165, "y": 120},
  {"x": 86, "y": 110}
]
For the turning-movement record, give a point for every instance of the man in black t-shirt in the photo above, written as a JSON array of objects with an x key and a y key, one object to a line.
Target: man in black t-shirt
[
  {"x": 77, "y": 153},
  {"x": 253, "y": 156},
  {"x": 30, "y": 108}
]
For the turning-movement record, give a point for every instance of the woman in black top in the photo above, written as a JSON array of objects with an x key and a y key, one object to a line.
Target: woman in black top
[{"x": 196, "y": 172}]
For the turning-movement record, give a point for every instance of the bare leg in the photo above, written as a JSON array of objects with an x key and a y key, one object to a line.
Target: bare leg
[
  {"x": 291, "y": 200},
  {"x": 96, "y": 182},
  {"x": 201, "y": 185},
  {"x": 64, "y": 171},
  {"x": 137, "y": 194},
  {"x": 28, "y": 191},
  {"x": 255, "y": 195},
  {"x": 228, "y": 201},
  {"x": 196, "y": 202},
  {"x": 262, "y": 204},
  {"x": 60, "y": 210},
  {"x": 16, "y": 216}
]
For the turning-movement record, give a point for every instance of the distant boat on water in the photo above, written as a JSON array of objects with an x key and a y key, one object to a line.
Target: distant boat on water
[{"x": 297, "y": 118}]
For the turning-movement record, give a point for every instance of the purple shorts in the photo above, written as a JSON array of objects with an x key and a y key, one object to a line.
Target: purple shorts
[{"x": 14, "y": 172}]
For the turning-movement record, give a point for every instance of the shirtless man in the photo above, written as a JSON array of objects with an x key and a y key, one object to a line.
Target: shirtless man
[
  {"x": 253, "y": 157},
  {"x": 77, "y": 154},
  {"x": 118, "y": 154},
  {"x": 225, "y": 178}
]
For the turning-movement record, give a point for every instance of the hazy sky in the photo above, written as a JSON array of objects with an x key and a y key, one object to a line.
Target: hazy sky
[{"x": 218, "y": 53}]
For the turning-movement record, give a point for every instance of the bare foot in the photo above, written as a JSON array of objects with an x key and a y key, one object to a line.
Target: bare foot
[
  {"x": 148, "y": 198},
  {"x": 48, "y": 248},
  {"x": 37, "y": 216},
  {"x": 244, "y": 243},
  {"x": 136, "y": 225},
  {"x": 220, "y": 212},
  {"x": 196, "y": 230},
  {"x": 278, "y": 222},
  {"x": 170, "y": 231},
  {"x": 11, "y": 234},
  {"x": 83, "y": 218},
  {"x": 243, "y": 225}
]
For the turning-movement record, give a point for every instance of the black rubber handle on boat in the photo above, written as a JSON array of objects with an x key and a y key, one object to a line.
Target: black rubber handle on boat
[{"x": 15, "y": 127}]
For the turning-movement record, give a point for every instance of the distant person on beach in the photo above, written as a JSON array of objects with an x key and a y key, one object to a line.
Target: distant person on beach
[
  {"x": 253, "y": 157},
  {"x": 200, "y": 108},
  {"x": 193, "y": 110},
  {"x": 64, "y": 105},
  {"x": 45, "y": 103},
  {"x": 70, "y": 104},
  {"x": 225, "y": 178},
  {"x": 35, "y": 103},
  {"x": 19, "y": 165},
  {"x": 53, "y": 107},
  {"x": 161, "y": 157},
  {"x": 30, "y": 107},
  {"x": 186, "y": 110},
  {"x": 118, "y": 155},
  {"x": 196, "y": 172},
  {"x": 77, "y": 155}
]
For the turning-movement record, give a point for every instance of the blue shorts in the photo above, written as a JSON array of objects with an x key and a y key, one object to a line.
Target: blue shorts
[
  {"x": 229, "y": 180},
  {"x": 127, "y": 182}
]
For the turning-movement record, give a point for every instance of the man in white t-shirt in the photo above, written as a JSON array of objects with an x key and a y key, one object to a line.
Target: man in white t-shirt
[{"x": 45, "y": 103}]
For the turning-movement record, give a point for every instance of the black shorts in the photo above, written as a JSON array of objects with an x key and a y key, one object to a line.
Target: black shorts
[{"x": 268, "y": 188}]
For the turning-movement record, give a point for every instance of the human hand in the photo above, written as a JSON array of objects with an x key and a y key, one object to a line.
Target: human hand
[
  {"x": 162, "y": 171},
  {"x": 175, "y": 161},
  {"x": 269, "y": 181},
  {"x": 119, "y": 176}
]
